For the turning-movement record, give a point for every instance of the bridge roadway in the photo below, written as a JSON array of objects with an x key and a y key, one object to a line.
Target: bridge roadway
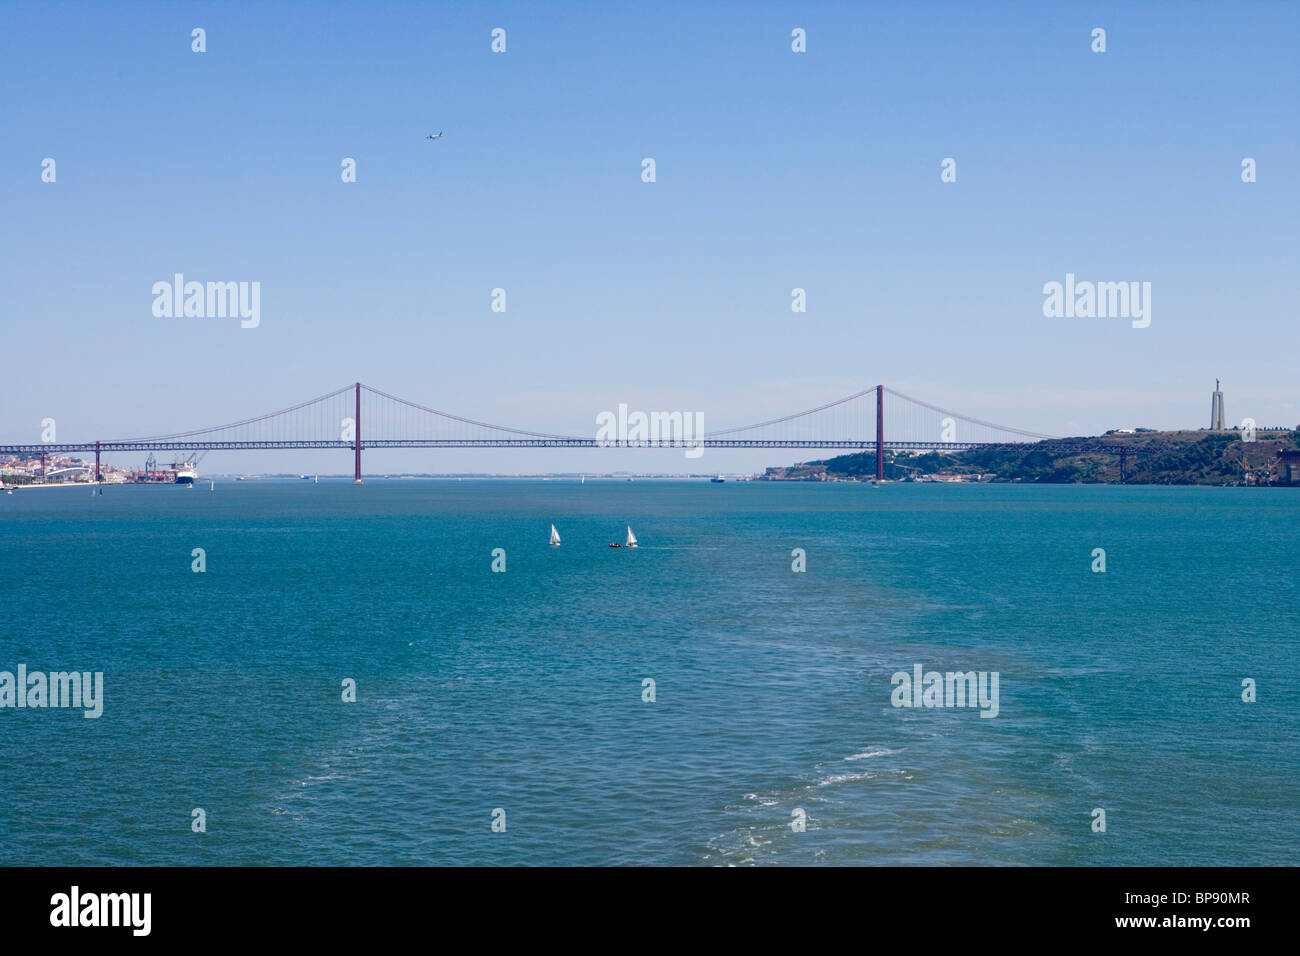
[
  {"x": 198, "y": 445},
  {"x": 310, "y": 414}
]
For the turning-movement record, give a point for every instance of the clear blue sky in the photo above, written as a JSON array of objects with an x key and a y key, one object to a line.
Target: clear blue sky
[{"x": 775, "y": 170}]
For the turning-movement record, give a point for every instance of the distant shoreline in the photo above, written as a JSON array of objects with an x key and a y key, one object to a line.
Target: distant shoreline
[{"x": 1145, "y": 457}]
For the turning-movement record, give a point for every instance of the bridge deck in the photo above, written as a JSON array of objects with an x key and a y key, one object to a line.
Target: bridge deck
[{"x": 199, "y": 445}]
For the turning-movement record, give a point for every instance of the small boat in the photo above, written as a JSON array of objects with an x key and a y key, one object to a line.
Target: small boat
[
  {"x": 615, "y": 544},
  {"x": 717, "y": 481},
  {"x": 555, "y": 537},
  {"x": 631, "y": 538}
]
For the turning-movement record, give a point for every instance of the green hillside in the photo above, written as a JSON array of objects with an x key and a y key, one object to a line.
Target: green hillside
[{"x": 1154, "y": 458}]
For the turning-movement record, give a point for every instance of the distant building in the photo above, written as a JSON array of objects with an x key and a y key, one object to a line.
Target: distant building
[
  {"x": 1288, "y": 467},
  {"x": 1216, "y": 409}
]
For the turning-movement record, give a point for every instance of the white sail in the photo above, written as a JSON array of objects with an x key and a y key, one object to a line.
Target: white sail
[
  {"x": 555, "y": 535},
  {"x": 631, "y": 538}
]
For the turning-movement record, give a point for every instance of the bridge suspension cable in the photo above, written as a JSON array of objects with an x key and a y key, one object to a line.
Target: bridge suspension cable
[
  {"x": 790, "y": 418},
  {"x": 359, "y": 416},
  {"x": 458, "y": 418},
  {"x": 180, "y": 436},
  {"x": 957, "y": 416}
]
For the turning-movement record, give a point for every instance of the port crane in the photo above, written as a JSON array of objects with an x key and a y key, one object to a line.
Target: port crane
[
  {"x": 1262, "y": 474},
  {"x": 153, "y": 472}
]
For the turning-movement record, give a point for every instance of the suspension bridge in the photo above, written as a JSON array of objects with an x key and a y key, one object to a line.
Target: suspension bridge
[{"x": 358, "y": 416}]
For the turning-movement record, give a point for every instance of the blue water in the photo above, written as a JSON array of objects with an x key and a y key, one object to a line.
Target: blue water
[{"x": 523, "y": 690}]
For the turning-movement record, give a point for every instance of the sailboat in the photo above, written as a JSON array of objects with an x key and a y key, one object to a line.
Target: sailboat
[
  {"x": 555, "y": 537},
  {"x": 316, "y": 480},
  {"x": 631, "y": 538}
]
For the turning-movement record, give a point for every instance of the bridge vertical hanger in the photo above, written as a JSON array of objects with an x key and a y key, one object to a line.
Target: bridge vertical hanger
[
  {"x": 96, "y": 462},
  {"x": 356, "y": 478},
  {"x": 880, "y": 433}
]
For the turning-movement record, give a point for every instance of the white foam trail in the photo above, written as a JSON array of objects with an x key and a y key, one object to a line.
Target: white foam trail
[
  {"x": 880, "y": 752},
  {"x": 843, "y": 778}
]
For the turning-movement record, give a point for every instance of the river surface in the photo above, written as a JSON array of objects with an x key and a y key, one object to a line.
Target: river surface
[{"x": 521, "y": 696}]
